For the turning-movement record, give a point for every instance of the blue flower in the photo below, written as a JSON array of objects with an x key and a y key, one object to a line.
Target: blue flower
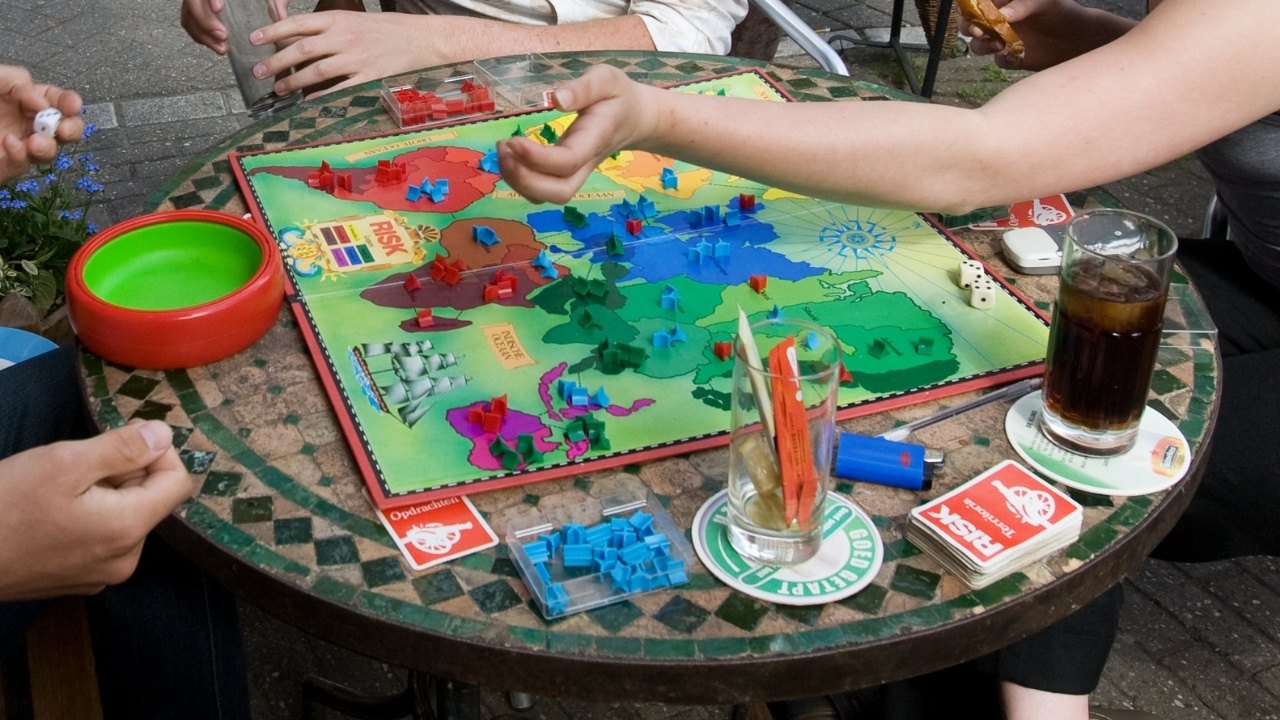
[
  {"x": 30, "y": 187},
  {"x": 51, "y": 178},
  {"x": 62, "y": 162},
  {"x": 71, "y": 214},
  {"x": 89, "y": 129},
  {"x": 91, "y": 228},
  {"x": 13, "y": 204},
  {"x": 86, "y": 184},
  {"x": 4, "y": 195},
  {"x": 91, "y": 167},
  {"x": 84, "y": 157}
]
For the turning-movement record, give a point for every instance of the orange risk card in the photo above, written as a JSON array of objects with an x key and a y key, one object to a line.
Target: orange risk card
[{"x": 433, "y": 532}]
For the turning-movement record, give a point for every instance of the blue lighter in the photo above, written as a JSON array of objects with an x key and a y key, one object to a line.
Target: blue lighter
[{"x": 885, "y": 462}]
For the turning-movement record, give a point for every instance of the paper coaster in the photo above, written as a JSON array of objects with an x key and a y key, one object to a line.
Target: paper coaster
[
  {"x": 1158, "y": 459},
  {"x": 848, "y": 561},
  {"x": 19, "y": 345}
]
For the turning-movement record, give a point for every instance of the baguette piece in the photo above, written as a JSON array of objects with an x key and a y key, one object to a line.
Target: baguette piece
[{"x": 986, "y": 15}]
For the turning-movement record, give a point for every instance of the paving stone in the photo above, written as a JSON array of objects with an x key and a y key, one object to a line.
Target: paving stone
[
  {"x": 1147, "y": 685},
  {"x": 1223, "y": 690},
  {"x": 169, "y": 109},
  {"x": 861, "y": 17},
  {"x": 101, "y": 114},
  {"x": 1154, "y": 629}
]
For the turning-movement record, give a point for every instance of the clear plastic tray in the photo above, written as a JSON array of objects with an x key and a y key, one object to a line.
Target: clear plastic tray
[
  {"x": 418, "y": 103},
  {"x": 563, "y": 590},
  {"x": 522, "y": 80}
]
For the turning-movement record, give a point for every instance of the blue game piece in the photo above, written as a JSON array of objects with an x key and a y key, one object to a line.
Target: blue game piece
[
  {"x": 557, "y": 599},
  {"x": 620, "y": 575},
  {"x": 541, "y": 570},
  {"x": 550, "y": 272},
  {"x": 733, "y": 218},
  {"x": 646, "y": 208},
  {"x": 489, "y": 163},
  {"x": 676, "y": 577},
  {"x": 811, "y": 340},
  {"x": 670, "y": 298},
  {"x": 553, "y": 543},
  {"x": 677, "y": 335},
  {"x": 578, "y": 398},
  {"x": 641, "y": 521},
  {"x": 484, "y": 235},
  {"x": 711, "y": 214},
  {"x": 577, "y": 555},
  {"x": 565, "y": 388},
  {"x": 670, "y": 181},
  {"x": 437, "y": 195},
  {"x": 543, "y": 260},
  {"x": 695, "y": 218},
  {"x": 630, "y": 210},
  {"x": 598, "y": 536},
  {"x": 639, "y": 583},
  {"x": 657, "y": 542},
  {"x": 442, "y": 185},
  {"x": 704, "y": 251},
  {"x": 636, "y": 552},
  {"x": 600, "y": 398},
  {"x": 574, "y": 534},
  {"x": 661, "y": 339},
  {"x": 537, "y": 551},
  {"x": 723, "y": 249},
  {"x": 775, "y": 313},
  {"x": 413, "y": 194}
]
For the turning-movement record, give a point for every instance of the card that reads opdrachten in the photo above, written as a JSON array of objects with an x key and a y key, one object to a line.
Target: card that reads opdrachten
[
  {"x": 437, "y": 531},
  {"x": 997, "y": 514}
]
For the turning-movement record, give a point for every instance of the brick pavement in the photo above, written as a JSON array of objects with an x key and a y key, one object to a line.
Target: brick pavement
[{"x": 1197, "y": 641}]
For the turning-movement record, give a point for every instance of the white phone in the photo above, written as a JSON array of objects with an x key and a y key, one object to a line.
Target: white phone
[{"x": 1034, "y": 250}]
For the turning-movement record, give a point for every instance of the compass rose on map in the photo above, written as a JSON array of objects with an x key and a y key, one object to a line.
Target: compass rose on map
[{"x": 854, "y": 237}]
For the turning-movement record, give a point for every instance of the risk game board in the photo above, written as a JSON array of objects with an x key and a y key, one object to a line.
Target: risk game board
[{"x": 471, "y": 340}]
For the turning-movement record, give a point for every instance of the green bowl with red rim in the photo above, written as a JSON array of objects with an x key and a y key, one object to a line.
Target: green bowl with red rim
[{"x": 174, "y": 289}]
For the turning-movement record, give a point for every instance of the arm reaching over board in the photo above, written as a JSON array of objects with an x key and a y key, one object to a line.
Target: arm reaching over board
[{"x": 1093, "y": 119}]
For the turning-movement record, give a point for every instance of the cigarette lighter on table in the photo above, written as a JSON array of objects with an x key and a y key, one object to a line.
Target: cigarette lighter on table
[{"x": 885, "y": 462}]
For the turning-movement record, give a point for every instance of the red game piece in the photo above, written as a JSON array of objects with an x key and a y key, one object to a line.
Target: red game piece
[
  {"x": 722, "y": 350},
  {"x": 845, "y": 375},
  {"x": 451, "y": 276},
  {"x": 757, "y": 282},
  {"x": 412, "y": 283},
  {"x": 505, "y": 281},
  {"x": 343, "y": 181},
  {"x": 499, "y": 405},
  {"x": 491, "y": 422},
  {"x": 746, "y": 202},
  {"x": 490, "y": 292},
  {"x": 425, "y": 318},
  {"x": 453, "y": 105},
  {"x": 634, "y": 226},
  {"x": 475, "y": 415},
  {"x": 468, "y": 86}
]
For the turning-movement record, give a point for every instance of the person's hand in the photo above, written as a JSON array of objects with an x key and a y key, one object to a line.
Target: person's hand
[
  {"x": 74, "y": 515},
  {"x": 200, "y": 20},
  {"x": 1053, "y": 31},
  {"x": 20, "y": 100},
  {"x": 612, "y": 114},
  {"x": 352, "y": 47}
]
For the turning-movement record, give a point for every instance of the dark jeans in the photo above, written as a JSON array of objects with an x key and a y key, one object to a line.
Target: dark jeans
[
  {"x": 166, "y": 643},
  {"x": 1233, "y": 512}
]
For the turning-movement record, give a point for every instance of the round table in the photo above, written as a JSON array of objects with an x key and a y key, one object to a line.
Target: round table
[{"x": 279, "y": 515}]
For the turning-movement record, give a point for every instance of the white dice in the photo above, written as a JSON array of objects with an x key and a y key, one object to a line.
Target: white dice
[
  {"x": 46, "y": 123},
  {"x": 982, "y": 294},
  {"x": 970, "y": 270}
]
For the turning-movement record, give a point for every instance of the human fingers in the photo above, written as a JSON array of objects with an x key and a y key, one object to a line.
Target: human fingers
[
  {"x": 532, "y": 183},
  {"x": 302, "y": 44},
  {"x": 166, "y": 485},
  {"x": 13, "y": 159},
  {"x": 1015, "y": 11},
  {"x": 984, "y": 45},
  {"x": 113, "y": 453},
  {"x": 200, "y": 20}
]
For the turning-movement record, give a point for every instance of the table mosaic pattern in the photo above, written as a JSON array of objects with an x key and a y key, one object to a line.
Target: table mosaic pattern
[{"x": 276, "y": 485}]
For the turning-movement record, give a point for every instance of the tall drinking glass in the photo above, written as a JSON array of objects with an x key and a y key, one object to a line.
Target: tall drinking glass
[
  {"x": 242, "y": 17},
  {"x": 775, "y": 520},
  {"x": 1106, "y": 330}
]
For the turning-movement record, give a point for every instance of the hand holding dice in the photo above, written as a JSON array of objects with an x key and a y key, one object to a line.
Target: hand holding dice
[{"x": 46, "y": 123}]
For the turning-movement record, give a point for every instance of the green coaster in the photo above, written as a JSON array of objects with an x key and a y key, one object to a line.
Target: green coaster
[
  {"x": 1158, "y": 459},
  {"x": 850, "y": 557}
]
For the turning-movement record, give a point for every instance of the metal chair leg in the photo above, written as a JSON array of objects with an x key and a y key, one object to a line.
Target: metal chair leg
[
  {"x": 519, "y": 700},
  {"x": 1215, "y": 221}
]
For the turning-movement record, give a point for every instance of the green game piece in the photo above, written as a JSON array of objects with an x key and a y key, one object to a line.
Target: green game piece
[
  {"x": 574, "y": 217},
  {"x": 597, "y": 288},
  {"x": 878, "y": 348},
  {"x": 924, "y": 346},
  {"x": 613, "y": 246},
  {"x": 498, "y": 446},
  {"x": 549, "y": 134},
  {"x": 528, "y": 449},
  {"x": 509, "y": 460},
  {"x": 580, "y": 286},
  {"x": 615, "y": 155},
  {"x": 721, "y": 92},
  {"x": 587, "y": 321},
  {"x": 517, "y": 132},
  {"x": 574, "y": 433}
]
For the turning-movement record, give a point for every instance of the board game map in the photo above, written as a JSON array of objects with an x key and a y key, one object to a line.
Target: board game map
[{"x": 471, "y": 340}]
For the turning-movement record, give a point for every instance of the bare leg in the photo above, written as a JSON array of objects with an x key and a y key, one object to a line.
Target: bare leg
[{"x": 1023, "y": 703}]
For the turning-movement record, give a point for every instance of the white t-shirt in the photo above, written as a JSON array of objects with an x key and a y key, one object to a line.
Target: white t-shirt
[{"x": 695, "y": 26}]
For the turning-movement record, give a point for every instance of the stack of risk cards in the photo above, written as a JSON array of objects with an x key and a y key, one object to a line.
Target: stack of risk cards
[{"x": 994, "y": 524}]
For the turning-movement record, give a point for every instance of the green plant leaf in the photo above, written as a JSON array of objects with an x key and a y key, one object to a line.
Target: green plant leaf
[
  {"x": 30, "y": 267},
  {"x": 44, "y": 290}
]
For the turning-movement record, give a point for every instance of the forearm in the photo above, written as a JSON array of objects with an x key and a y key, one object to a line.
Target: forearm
[{"x": 452, "y": 38}]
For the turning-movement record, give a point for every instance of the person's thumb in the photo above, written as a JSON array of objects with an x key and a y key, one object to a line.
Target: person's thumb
[
  {"x": 1018, "y": 10},
  {"x": 589, "y": 89},
  {"x": 122, "y": 450}
]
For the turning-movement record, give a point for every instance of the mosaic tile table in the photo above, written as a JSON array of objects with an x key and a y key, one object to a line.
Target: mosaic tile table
[{"x": 279, "y": 516}]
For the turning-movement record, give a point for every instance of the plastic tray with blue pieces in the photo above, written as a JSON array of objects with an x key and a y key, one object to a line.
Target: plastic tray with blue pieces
[{"x": 598, "y": 552}]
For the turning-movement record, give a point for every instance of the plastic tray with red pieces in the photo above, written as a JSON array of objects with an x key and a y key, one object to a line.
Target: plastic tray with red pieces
[{"x": 414, "y": 106}]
